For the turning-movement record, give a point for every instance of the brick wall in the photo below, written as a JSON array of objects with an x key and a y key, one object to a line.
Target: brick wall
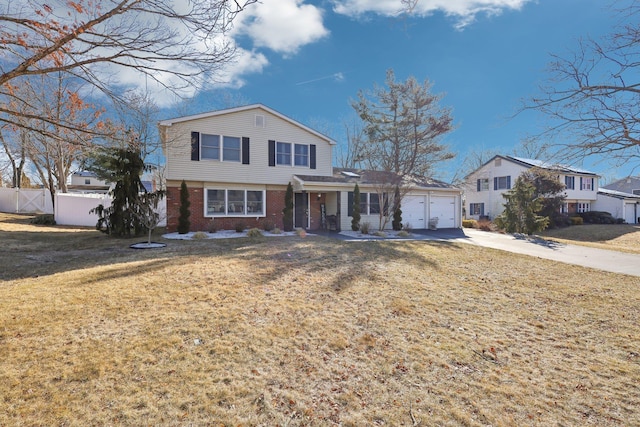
[{"x": 274, "y": 205}]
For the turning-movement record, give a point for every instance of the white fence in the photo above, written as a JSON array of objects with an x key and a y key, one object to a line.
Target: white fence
[{"x": 70, "y": 208}]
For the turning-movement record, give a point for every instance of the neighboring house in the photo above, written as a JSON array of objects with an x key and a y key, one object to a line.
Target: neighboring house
[
  {"x": 484, "y": 187},
  {"x": 87, "y": 182},
  {"x": 237, "y": 164},
  {"x": 621, "y": 199}
]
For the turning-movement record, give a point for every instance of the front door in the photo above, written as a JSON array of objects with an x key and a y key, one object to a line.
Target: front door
[{"x": 300, "y": 216}]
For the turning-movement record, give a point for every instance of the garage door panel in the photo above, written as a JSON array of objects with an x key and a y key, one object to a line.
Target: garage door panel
[
  {"x": 413, "y": 211},
  {"x": 444, "y": 208}
]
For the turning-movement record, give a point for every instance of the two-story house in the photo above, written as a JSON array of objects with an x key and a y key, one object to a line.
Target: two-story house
[
  {"x": 484, "y": 187},
  {"x": 238, "y": 162}
]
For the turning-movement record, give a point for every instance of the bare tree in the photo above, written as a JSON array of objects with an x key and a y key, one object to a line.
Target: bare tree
[
  {"x": 403, "y": 124},
  {"x": 352, "y": 155},
  {"x": 175, "y": 44},
  {"x": 15, "y": 150},
  {"x": 592, "y": 97}
]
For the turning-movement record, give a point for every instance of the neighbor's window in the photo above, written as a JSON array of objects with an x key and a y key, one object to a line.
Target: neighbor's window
[
  {"x": 587, "y": 183},
  {"x": 301, "y": 155},
  {"x": 283, "y": 153},
  {"x": 570, "y": 182},
  {"x": 502, "y": 183},
  {"x": 476, "y": 208},
  {"x": 483, "y": 184},
  {"x": 231, "y": 149},
  {"x": 583, "y": 207},
  {"x": 209, "y": 146}
]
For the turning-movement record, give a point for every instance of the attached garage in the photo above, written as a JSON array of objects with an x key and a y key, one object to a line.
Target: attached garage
[
  {"x": 443, "y": 208},
  {"x": 618, "y": 204},
  {"x": 631, "y": 213},
  {"x": 414, "y": 211}
]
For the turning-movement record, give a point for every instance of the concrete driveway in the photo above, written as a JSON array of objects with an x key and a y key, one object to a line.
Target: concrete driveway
[{"x": 613, "y": 261}]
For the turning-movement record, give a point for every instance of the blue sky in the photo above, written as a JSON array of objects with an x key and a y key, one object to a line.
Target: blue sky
[{"x": 308, "y": 59}]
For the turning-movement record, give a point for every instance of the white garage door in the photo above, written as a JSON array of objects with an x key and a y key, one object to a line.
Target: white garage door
[
  {"x": 443, "y": 207},
  {"x": 413, "y": 211},
  {"x": 630, "y": 213}
]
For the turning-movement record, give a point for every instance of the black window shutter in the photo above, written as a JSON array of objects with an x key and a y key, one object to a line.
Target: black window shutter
[
  {"x": 245, "y": 150},
  {"x": 508, "y": 182},
  {"x": 272, "y": 152},
  {"x": 478, "y": 185},
  {"x": 580, "y": 184},
  {"x": 592, "y": 184},
  {"x": 495, "y": 183},
  {"x": 312, "y": 155},
  {"x": 350, "y": 203},
  {"x": 195, "y": 146}
]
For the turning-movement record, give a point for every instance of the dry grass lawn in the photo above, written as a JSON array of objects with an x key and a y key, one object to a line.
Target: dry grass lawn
[
  {"x": 618, "y": 237},
  {"x": 308, "y": 332}
]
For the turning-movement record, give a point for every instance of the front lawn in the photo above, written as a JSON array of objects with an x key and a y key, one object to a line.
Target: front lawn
[
  {"x": 618, "y": 237},
  {"x": 308, "y": 331}
]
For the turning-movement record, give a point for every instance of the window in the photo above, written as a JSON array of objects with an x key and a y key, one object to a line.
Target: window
[
  {"x": 221, "y": 202},
  {"x": 570, "y": 182},
  {"x": 87, "y": 182},
  {"x": 476, "y": 208},
  {"x": 210, "y": 147},
  {"x": 231, "y": 149},
  {"x": 301, "y": 155},
  {"x": 483, "y": 184},
  {"x": 283, "y": 153},
  {"x": 369, "y": 203},
  {"x": 586, "y": 184},
  {"x": 583, "y": 207},
  {"x": 502, "y": 183},
  {"x": 636, "y": 192}
]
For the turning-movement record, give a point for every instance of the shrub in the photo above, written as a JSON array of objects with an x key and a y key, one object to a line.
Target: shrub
[
  {"x": 212, "y": 227},
  {"x": 199, "y": 235},
  {"x": 301, "y": 232},
  {"x": 469, "y": 223},
  {"x": 597, "y": 217},
  {"x": 380, "y": 233},
  {"x": 268, "y": 225},
  {"x": 276, "y": 230},
  {"x": 403, "y": 233},
  {"x": 355, "y": 216},
  {"x": 576, "y": 220},
  {"x": 364, "y": 227},
  {"x": 254, "y": 232},
  {"x": 287, "y": 212},
  {"x": 407, "y": 227},
  {"x": 239, "y": 226},
  {"x": 485, "y": 225},
  {"x": 44, "y": 219},
  {"x": 620, "y": 221},
  {"x": 183, "y": 220}
]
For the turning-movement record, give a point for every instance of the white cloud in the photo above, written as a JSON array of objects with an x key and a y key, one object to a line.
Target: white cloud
[
  {"x": 464, "y": 11},
  {"x": 283, "y": 26}
]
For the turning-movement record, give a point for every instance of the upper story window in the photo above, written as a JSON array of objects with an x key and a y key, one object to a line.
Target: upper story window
[
  {"x": 586, "y": 183},
  {"x": 209, "y": 147},
  {"x": 502, "y": 183},
  {"x": 482, "y": 184},
  {"x": 283, "y": 153},
  {"x": 218, "y": 147},
  {"x": 288, "y": 154},
  {"x": 570, "y": 182},
  {"x": 301, "y": 155}
]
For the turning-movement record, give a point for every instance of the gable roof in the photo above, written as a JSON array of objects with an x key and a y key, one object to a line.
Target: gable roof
[
  {"x": 350, "y": 176},
  {"x": 534, "y": 163},
  {"x": 216, "y": 113},
  {"x": 624, "y": 184}
]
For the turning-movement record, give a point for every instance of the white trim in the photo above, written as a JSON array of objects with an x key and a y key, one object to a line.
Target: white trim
[{"x": 170, "y": 122}]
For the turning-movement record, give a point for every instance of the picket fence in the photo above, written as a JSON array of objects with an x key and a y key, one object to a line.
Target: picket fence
[{"x": 70, "y": 208}]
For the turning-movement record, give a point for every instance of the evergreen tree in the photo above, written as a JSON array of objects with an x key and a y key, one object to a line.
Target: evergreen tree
[
  {"x": 355, "y": 218},
  {"x": 521, "y": 209},
  {"x": 124, "y": 166},
  {"x": 183, "y": 220},
  {"x": 287, "y": 212},
  {"x": 396, "y": 224}
]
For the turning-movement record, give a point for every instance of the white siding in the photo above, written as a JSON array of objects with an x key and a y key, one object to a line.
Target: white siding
[{"x": 241, "y": 124}]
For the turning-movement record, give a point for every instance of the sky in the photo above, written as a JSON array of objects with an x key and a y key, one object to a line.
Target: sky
[{"x": 308, "y": 59}]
